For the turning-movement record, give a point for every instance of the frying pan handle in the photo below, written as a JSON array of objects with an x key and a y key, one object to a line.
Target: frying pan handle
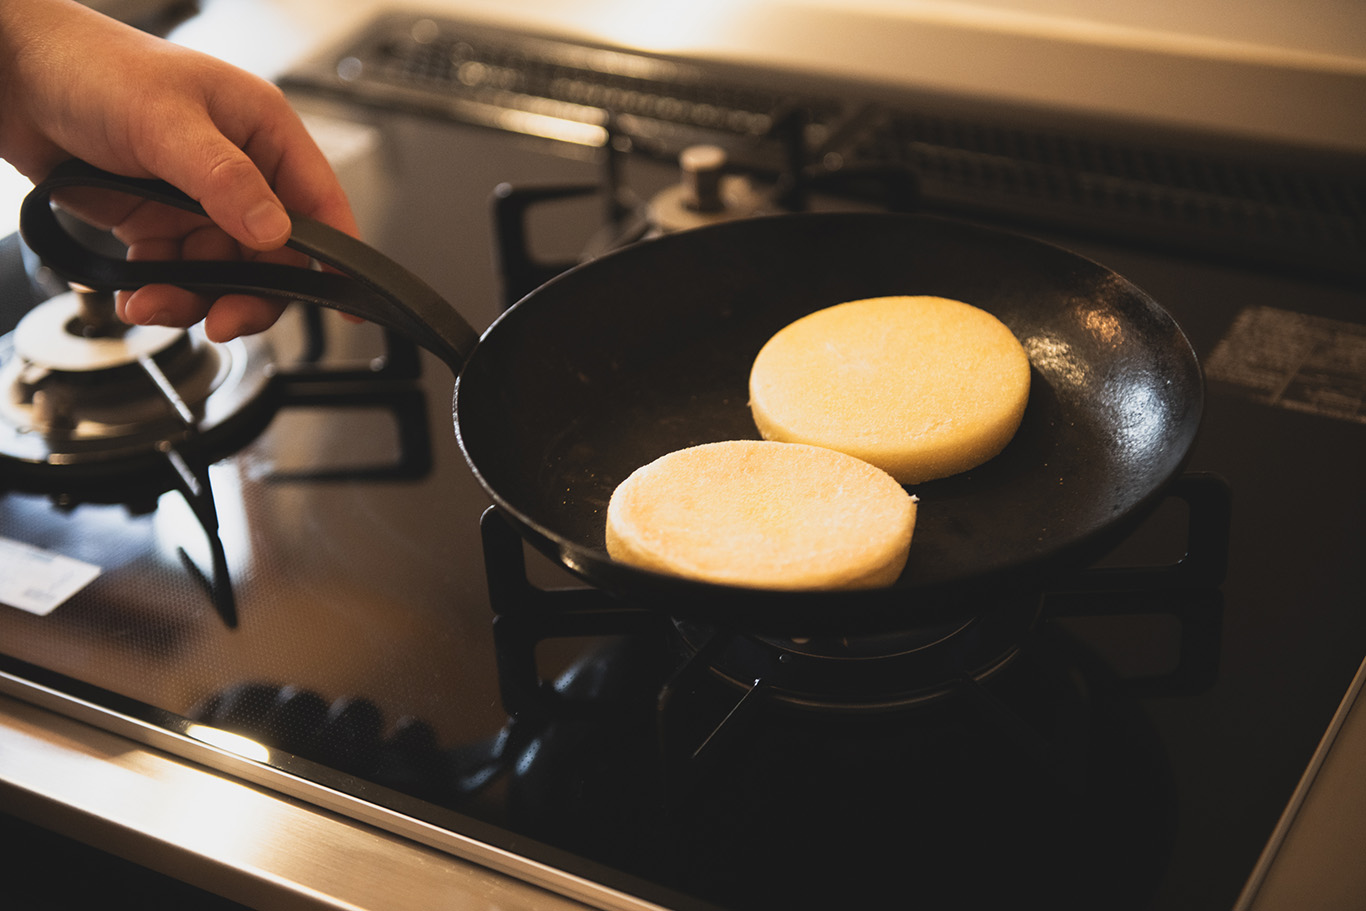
[{"x": 367, "y": 284}]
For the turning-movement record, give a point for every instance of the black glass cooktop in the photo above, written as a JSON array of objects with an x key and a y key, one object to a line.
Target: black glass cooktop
[{"x": 1131, "y": 748}]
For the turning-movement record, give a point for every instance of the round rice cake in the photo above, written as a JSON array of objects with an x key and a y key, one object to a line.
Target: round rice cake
[
  {"x": 763, "y": 515},
  {"x": 922, "y": 387}
]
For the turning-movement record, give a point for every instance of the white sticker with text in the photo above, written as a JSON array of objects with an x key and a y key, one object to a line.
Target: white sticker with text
[{"x": 38, "y": 580}]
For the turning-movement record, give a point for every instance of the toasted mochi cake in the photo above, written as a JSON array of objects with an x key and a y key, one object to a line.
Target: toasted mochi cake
[
  {"x": 922, "y": 387},
  {"x": 763, "y": 515}
]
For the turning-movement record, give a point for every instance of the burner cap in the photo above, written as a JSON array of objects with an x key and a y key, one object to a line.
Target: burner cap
[{"x": 57, "y": 335}]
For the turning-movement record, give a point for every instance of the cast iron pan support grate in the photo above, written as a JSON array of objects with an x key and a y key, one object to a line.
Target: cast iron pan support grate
[
  {"x": 387, "y": 382},
  {"x": 525, "y": 615}
]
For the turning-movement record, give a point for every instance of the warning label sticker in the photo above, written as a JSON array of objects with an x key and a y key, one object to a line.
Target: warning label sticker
[
  {"x": 37, "y": 580},
  {"x": 1295, "y": 361}
]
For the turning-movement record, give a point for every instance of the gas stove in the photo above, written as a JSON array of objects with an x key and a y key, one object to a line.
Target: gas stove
[{"x": 270, "y": 557}]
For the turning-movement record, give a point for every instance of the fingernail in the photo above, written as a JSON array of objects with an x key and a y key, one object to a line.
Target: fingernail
[
  {"x": 138, "y": 312},
  {"x": 266, "y": 222}
]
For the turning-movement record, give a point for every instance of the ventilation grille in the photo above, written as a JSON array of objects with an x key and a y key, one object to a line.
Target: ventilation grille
[
  {"x": 1268, "y": 213},
  {"x": 476, "y": 74},
  {"x": 1234, "y": 208}
]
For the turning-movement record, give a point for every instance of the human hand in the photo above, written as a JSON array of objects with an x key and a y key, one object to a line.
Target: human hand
[{"x": 74, "y": 83}]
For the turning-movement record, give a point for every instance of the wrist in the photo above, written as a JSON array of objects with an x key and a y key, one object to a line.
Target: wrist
[{"x": 29, "y": 31}]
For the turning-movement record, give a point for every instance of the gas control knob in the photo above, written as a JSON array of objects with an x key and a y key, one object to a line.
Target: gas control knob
[{"x": 705, "y": 194}]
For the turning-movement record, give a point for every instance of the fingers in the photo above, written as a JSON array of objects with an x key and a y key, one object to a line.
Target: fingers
[
  {"x": 224, "y": 318},
  {"x": 239, "y": 200},
  {"x": 233, "y": 315},
  {"x": 136, "y": 105},
  {"x": 227, "y": 183},
  {"x": 235, "y": 190},
  {"x": 245, "y": 156}
]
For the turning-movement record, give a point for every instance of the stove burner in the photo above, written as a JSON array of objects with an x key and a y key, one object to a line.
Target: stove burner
[
  {"x": 869, "y": 673},
  {"x": 842, "y": 675},
  {"x": 94, "y": 411},
  {"x": 850, "y": 676},
  {"x": 709, "y": 190},
  {"x": 81, "y": 388},
  {"x": 1047, "y": 781},
  {"x": 79, "y": 332}
]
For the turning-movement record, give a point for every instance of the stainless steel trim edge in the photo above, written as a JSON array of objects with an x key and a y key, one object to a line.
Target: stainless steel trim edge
[
  {"x": 1252, "y": 896},
  {"x": 228, "y": 763}
]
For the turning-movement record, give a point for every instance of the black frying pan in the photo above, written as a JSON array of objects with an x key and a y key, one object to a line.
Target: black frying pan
[{"x": 647, "y": 349}]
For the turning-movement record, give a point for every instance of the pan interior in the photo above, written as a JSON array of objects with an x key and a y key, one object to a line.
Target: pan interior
[{"x": 648, "y": 350}]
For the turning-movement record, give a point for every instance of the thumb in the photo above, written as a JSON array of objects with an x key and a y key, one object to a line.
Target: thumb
[
  {"x": 238, "y": 199},
  {"x": 234, "y": 194}
]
